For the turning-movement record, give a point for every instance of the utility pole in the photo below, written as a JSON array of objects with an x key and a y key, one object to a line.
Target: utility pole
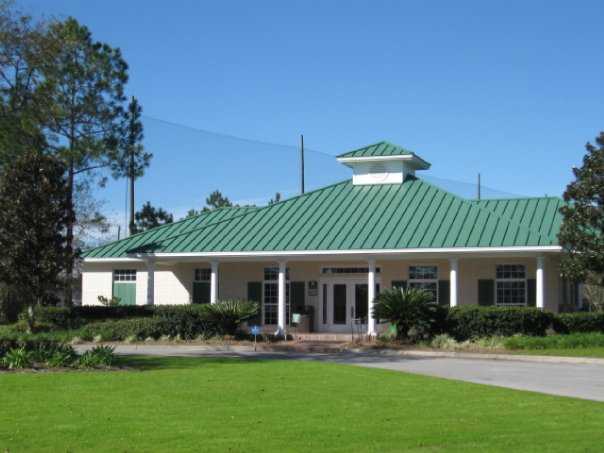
[
  {"x": 301, "y": 164},
  {"x": 479, "y": 186},
  {"x": 132, "y": 143}
]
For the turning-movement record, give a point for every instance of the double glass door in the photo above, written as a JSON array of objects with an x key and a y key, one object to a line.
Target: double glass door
[{"x": 344, "y": 305}]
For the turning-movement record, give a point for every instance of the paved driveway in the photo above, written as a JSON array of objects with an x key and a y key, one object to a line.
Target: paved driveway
[{"x": 565, "y": 379}]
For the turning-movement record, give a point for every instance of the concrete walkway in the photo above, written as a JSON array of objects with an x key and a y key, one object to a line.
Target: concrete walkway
[{"x": 579, "y": 380}]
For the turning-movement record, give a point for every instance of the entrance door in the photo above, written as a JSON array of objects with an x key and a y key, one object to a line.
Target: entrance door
[{"x": 343, "y": 305}]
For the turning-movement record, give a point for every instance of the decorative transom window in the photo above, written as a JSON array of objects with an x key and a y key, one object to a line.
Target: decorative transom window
[
  {"x": 272, "y": 274},
  {"x": 347, "y": 270},
  {"x": 124, "y": 275},
  {"x": 203, "y": 275},
  {"x": 426, "y": 278},
  {"x": 510, "y": 285}
]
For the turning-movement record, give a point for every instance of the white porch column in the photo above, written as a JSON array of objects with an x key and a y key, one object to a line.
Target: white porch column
[
  {"x": 150, "y": 281},
  {"x": 370, "y": 297},
  {"x": 281, "y": 298},
  {"x": 453, "y": 279},
  {"x": 213, "y": 282},
  {"x": 540, "y": 283}
]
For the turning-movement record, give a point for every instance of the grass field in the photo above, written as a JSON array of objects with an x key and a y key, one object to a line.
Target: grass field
[{"x": 187, "y": 404}]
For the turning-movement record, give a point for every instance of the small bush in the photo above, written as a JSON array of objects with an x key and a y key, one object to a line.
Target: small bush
[
  {"x": 469, "y": 322},
  {"x": 185, "y": 321},
  {"x": 99, "y": 356},
  {"x": 17, "y": 358},
  {"x": 64, "y": 357},
  {"x": 579, "y": 322},
  {"x": 570, "y": 341}
]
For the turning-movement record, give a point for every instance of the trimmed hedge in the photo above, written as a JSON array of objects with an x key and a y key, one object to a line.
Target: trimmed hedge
[
  {"x": 570, "y": 341},
  {"x": 467, "y": 322},
  {"x": 120, "y": 330},
  {"x": 579, "y": 322},
  {"x": 72, "y": 318}
]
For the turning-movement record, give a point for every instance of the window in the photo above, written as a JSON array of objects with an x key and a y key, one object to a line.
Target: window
[
  {"x": 271, "y": 295},
  {"x": 426, "y": 278},
  {"x": 510, "y": 285},
  {"x": 347, "y": 270},
  {"x": 124, "y": 275},
  {"x": 202, "y": 275}
]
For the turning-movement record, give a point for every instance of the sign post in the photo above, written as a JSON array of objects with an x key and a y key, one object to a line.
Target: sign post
[{"x": 255, "y": 331}]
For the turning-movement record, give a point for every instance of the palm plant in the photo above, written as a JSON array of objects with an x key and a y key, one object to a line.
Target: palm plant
[
  {"x": 228, "y": 315},
  {"x": 412, "y": 311}
]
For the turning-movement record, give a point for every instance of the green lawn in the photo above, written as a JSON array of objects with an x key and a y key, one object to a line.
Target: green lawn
[{"x": 186, "y": 404}]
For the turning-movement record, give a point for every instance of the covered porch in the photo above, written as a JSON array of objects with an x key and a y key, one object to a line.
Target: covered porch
[{"x": 334, "y": 293}]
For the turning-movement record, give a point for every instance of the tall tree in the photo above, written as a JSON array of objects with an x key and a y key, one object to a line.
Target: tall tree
[
  {"x": 34, "y": 213},
  {"x": 214, "y": 201},
  {"x": 151, "y": 217},
  {"x": 131, "y": 159},
  {"x": 582, "y": 230},
  {"x": 85, "y": 81},
  {"x": 24, "y": 48},
  {"x": 277, "y": 199}
]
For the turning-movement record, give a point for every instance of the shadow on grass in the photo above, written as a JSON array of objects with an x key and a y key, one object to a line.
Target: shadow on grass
[{"x": 152, "y": 363}]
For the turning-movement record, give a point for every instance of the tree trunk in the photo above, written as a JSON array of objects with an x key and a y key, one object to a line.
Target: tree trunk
[
  {"x": 132, "y": 226},
  {"x": 69, "y": 236}
]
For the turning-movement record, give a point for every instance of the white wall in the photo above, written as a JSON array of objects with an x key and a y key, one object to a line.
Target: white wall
[{"x": 173, "y": 283}]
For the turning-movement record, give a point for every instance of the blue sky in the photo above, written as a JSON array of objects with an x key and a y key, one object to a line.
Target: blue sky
[{"x": 510, "y": 89}]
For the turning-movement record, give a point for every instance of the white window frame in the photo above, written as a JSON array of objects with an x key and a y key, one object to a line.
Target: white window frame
[
  {"x": 198, "y": 274},
  {"x": 275, "y": 282},
  {"x": 421, "y": 282},
  {"x": 508, "y": 280},
  {"x": 123, "y": 276}
]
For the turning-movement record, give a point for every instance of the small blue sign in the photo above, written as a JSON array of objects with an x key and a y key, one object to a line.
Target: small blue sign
[{"x": 255, "y": 330}]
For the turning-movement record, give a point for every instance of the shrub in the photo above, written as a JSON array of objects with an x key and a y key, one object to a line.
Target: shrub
[
  {"x": 99, "y": 356},
  {"x": 62, "y": 358},
  {"x": 18, "y": 358},
  {"x": 579, "y": 322},
  {"x": 469, "y": 322},
  {"x": 75, "y": 317},
  {"x": 570, "y": 341},
  {"x": 60, "y": 317},
  {"x": 411, "y": 311},
  {"x": 185, "y": 321},
  {"x": 119, "y": 330},
  {"x": 227, "y": 315}
]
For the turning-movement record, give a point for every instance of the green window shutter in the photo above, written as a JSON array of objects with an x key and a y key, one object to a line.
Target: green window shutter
[
  {"x": 531, "y": 292},
  {"x": 298, "y": 296},
  {"x": 126, "y": 292},
  {"x": 486, "y": 292},
  {"x": 399, "y": 284},
  {"x": 444, "y": 292},
  {"x": 201, "y": 293},
  {"x": 254, "y": 294}
]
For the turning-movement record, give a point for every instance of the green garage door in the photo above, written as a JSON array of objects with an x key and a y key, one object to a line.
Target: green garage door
[
  {"x": 124, "y": 286},
  {"x": 126, "y": 292}
]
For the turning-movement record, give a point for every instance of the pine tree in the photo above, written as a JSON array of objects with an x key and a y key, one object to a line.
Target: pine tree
[{"x": 151, "y": 217}]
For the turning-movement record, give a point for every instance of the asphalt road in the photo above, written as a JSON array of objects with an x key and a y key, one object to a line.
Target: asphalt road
[{"x": 578, "y": 380}]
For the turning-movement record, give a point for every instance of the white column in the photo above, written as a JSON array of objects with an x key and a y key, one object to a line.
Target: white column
[
  {"x": 453, "y": 279},
  {"x": 281, "y": 298},
  {"x": 214, "y": 282},
  {"x": 540, "y": 277},
  {"x": 150, "y": 281},
  {"x": 370, "y": 297}
]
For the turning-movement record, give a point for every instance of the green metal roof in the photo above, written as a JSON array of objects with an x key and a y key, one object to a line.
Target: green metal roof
[
  {"x": 379, "y": 149},
  {"x": 342, "y": 216}
]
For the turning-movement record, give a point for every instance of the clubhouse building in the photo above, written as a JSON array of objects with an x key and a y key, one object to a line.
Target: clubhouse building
[{"x": 327, "y": 253}]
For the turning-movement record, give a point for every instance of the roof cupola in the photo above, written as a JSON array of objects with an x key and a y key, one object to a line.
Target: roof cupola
[{"x": 382, "y": 163}]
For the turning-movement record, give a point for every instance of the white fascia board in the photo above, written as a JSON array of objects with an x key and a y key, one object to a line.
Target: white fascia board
[
  {"x": 403, "y": 157},
  {"x": 449, "y": 251}
]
